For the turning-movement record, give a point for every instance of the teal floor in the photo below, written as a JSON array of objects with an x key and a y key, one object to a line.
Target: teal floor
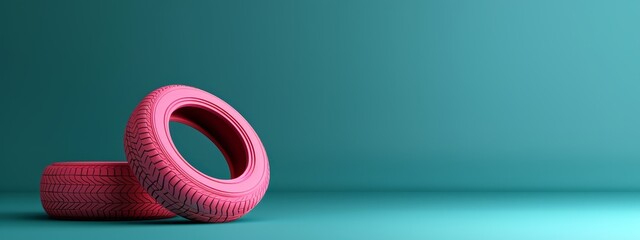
[{"x": 364, "y": 215}]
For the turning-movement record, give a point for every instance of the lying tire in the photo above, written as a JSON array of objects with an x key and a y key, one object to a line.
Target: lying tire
[
  {"x": 96, "y": 191},
  {"x": 171, "y": 180}
]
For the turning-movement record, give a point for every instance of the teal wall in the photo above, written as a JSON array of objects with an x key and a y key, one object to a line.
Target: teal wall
[{"x": 346, "y": 95}]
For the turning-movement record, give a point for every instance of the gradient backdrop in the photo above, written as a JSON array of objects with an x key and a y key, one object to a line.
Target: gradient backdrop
[{"x": 346, "y": 95}]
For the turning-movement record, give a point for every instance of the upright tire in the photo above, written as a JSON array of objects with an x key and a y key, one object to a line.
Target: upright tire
[
  {"x": 171, "y": 180},
  {"x": 96, "y": 191}
]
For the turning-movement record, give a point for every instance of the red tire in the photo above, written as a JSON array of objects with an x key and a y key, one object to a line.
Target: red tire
[
  {"x": 171, "y": 180},
  {"x": 96, "y": 191}
]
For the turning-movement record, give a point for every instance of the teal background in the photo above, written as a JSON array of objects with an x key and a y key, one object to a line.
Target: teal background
[{"x": 346, "y": 95}]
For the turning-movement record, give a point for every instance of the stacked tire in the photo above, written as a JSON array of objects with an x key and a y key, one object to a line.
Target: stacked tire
[{"x": 96, "y": 191}]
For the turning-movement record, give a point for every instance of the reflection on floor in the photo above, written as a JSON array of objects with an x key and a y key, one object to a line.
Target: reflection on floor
[{"x": 365, "y": 215}]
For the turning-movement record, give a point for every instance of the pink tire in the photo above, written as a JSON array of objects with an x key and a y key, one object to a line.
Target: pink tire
[
  {"x": 171, "y": 180},
  {"x": 96, "y": 191}
]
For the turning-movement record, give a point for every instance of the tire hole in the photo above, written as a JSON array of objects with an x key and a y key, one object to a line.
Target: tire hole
[{"x": 199, "y": 151}]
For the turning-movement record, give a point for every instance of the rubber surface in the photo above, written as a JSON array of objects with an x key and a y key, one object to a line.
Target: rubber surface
[
  {"x": 171, "y": 180},
  {"x": 96, "y": 191}
]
